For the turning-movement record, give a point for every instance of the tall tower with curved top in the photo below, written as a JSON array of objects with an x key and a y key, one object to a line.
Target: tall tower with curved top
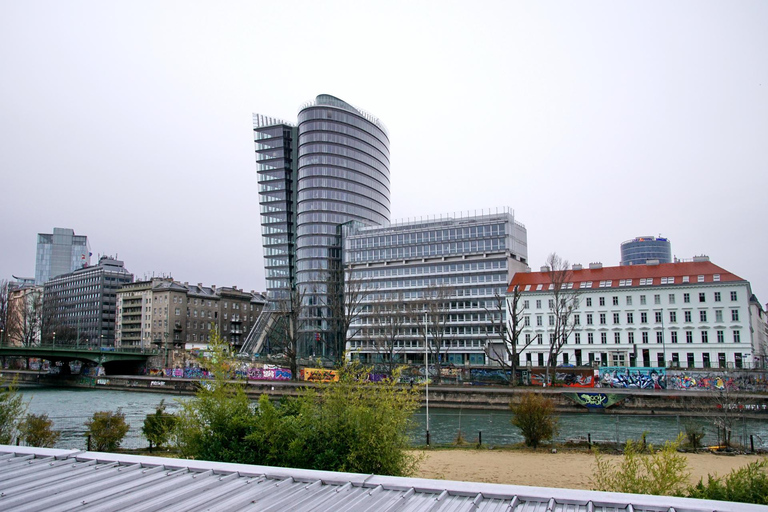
[{"x": 330, "y": 169}]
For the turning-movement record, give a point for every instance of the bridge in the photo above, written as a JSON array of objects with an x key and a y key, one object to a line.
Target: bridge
[{"x": 109, "y": 357}]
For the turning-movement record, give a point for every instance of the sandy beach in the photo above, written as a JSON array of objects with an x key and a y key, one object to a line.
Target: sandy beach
[{"x": 544, "y": 469}]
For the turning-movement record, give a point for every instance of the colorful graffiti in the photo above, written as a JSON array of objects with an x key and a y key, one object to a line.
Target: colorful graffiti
[
  {"x": 566, "y": 377},
  {"x": 717, "y": 380},
  {"x": 632, "y": 377},
  {"x": 319, "y": 375}
]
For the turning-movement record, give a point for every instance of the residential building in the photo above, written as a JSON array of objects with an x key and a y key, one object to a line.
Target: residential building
[
  {"x": 690, "y": 314},
  {"x": 79, "y": 307},
  {"x": 59, "y": 253},
  {"x": 329, "y": 169},
  {"x": 462, "y": 264},
  {"x": 643, "y": 249},
  {"x": 24, "y": 317},
  {"x": 162, "y": 312}
]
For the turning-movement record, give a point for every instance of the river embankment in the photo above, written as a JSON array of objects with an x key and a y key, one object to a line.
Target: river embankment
[{"x": 576, "y": 400}]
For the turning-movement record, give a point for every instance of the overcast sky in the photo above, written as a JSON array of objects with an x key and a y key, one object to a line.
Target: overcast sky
[{"x": 130, "y": 122}]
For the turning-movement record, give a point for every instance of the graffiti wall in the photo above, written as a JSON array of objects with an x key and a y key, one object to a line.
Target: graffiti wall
[
  {"x": 565, "y": 377},
  {"x": 713, "y": 380},
  {"x": 632, "y": 377},
  {"x": 319, "y": 375}
]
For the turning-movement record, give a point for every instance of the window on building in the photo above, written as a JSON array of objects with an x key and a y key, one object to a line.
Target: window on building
[
  {"x": 687, "y": 316},
  {"x": 659, "y": 337},
  {"x": 590, "y": 338},
  {"x": 615, "y": 301},
  {"x": 645, "y": 336},
  {"x": 736, "y": 336},
  {"x": 631, "y": 337},
  {"x": 735, "y": 315},
  {"x": 630, "y": 318},
  {"x": 671, "y": 298},
  {"x": 527, "y": 339},
  {"x": 629, "y": 300},
  {"x": 689, "y": 336},
  {"x": 673, "y": 336},
  {"x": 702, "y": 297},
  {"x": 526, "y": 304},
  {"x": 673, "y": 316},
  {"x": 643, "y": 317},
  {"x": 538, "y": 304},
  {"x": 577, "y": 338},
  {"x": 704, "y": 337},
  {"x": 616, "y": 318},
  {"x": 657, "y": 316},
  {"x": 702, "y": 316},
  {"x": 589, "y": 301},
  {"x": 603, "y": 338},
  {"x": 642, "y": 300},
  {"x": 718, "y": 315},
  {"x": 617, "y": 337},
  {"x": 551, "y": 303},
  {"x": 589, "y": 318},
  {"x": 551, "y": 320},
  {"x": 657, "y": 299},
  {"x": 527, "y": 321},
  {"x": 602, "y": 301},
  {"x": 686, "y": 298},
  {"x": 539, "y": 320},
  {"x": 602, "y": 318},
  {"x": 576, "y": 320},
  {"x": 734, "y": 296},
  {"x": 721, "y": 336},
  {"x": 717, "y": 296},
  {"x": 705, "y": 360}
]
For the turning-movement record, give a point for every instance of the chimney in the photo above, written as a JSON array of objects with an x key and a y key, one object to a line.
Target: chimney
[
  {"x": 651, "y": 262},
  {"x": 577, "y": 266},
  {"x": 595, "y": 266},
  {"x": 213, "y": 287},
  {"x": 701, "y": 258},
  {"x": 544, "y": 268}
]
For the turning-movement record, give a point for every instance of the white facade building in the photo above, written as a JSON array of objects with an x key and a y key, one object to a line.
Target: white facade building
[
  {"x": 463, "y": 262},
  {"x": 686, "y": 314}
]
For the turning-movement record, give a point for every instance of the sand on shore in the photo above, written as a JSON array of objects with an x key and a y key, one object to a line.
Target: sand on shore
[{"x": 545, "y": 469}]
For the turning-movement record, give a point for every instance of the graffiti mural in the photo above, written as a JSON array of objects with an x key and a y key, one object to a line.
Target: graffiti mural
[
  {"x": 566, "y": 377},
  {"x": 319, "y": 375},
  {"x": 489, "y": 376},
  {"x": 717, "y": 380},
  {"x": 595, "y": 400},
  {"x": 632, "y": 377}
]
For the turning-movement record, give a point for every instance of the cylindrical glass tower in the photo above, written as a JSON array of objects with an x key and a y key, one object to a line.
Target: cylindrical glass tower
[
  {"x": 640, "y": 250},
  {"x": 343, "y": 176}
]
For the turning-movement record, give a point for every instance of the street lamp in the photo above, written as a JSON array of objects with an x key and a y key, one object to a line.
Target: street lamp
[{"x": 54, "y": 339}]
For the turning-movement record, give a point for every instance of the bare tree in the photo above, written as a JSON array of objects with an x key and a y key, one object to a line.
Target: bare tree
[
  {"x": 390, "y": 320},
  {"x": 562, "y": 306},
  {"x": 24, "y": 319},
  {"x": 506, "y": 324},
  {"x": 285, "y": 335},
  {"x": 346, "y": 295},
  {"x": 433, "y": 320}
]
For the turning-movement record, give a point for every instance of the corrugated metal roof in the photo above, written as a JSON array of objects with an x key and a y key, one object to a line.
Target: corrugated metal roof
[{"x": 57, "y": 480}]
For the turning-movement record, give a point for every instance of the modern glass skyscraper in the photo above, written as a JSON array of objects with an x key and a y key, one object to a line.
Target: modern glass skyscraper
[
  {"x": 330, "y": 169},
  {"x": 640, "y": 250},
  {"x": 60, "y": 253}
]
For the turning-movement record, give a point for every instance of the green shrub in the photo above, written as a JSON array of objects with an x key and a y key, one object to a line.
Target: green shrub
[
  {"x": 37, "y": 430},
  {"x": 535, "y": 416},
  {"x": 663, "y": 472},
  {"x": 694, "y": 434},
  {"x": 748, "y": 484},
  {"x": 107, "y": 430},
  {"x": 12, "y": 409},
  {"x": 158, "y": 427}
]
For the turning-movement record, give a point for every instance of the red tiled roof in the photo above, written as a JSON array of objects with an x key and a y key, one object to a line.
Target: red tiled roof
[{"x": 692, "y": 269}]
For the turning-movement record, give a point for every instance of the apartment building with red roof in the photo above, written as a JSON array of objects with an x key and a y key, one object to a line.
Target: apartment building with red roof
[{"x": 691, "y": 314}]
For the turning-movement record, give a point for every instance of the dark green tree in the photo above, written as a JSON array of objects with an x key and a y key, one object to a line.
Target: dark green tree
[
  {"x": 107, "y": 430},
  {"x": 534, "y": 415},
  {"x": 37, "y": 430},
  {"x": 159, "y": 427}
]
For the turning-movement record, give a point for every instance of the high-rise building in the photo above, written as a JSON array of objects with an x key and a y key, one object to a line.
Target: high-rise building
[
  {"x": 79, "y": 307},
  {"x": 445, "y": 277},
  {"x": 644, "y": 249},
  {"x": 329, "y": 169},
  {"x": 60, "y": 253}
]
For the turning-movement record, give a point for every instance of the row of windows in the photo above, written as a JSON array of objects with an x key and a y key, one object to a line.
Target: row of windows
[
  {"x": 671, "y": 299},
  {"x": 433, "y": 235},
  {"x": 343, "y": 196},
  {"x": 419, "y": 251},
  {"x": 334, "y": 132},
  {"x": 353, "y": 187},
  {"x": 645, "y": 337},
  {"x": 630, "y": 317},
  {"x": 345, "y": 151},
  {"x": 649, "y": 281},
  {"x": 438, "y": 281},
  {"x": 348, "y": 209},
  {"x": 453, "y": 268},
  {"x": 336, "y": 117}
]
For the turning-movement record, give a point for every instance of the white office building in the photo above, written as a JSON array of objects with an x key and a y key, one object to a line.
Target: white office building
[{"x": 686, "y": 314}]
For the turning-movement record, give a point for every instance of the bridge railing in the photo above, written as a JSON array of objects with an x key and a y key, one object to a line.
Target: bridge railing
[{"x": 81, "y": 345}]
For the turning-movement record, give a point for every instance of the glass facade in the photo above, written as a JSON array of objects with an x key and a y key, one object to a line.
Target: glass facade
[
  {"x": 342, "y": 176},
  {"x": 641, "y": 249},
  {"x": 467, "y": 262},
  {"x": 60, "y": 253}
]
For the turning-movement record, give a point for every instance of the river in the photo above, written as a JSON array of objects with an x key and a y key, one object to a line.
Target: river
[{"x": 71, "y": 408}]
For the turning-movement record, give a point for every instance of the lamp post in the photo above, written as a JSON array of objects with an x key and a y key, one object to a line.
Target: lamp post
[
  {"x": 54, "y": 339},
  {"x": 426, "y": 369},
  {"x": 2, "y": 339}
]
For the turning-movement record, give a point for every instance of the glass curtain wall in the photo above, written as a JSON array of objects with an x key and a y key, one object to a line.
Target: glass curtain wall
[{"x": 343, "y": 176}]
